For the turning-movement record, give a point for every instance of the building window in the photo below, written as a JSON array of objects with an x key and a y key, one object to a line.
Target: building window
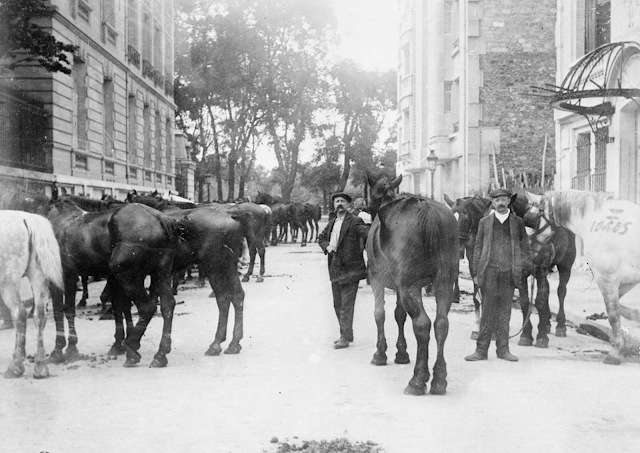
[
  {"x": 583, "y": 162},
  {"x": 109, "y": 123},
  {"x": 132, "y": 124},
  {"x": 448, "y": 22},
  {"x": 599, "y": 178},
  {"x": 169, "y": 180},
  {"x": 82, "y": 162},
  {"x": 406, "y": 125},
  {"x": 597, "y": 24},
  {"x": 167, "y": 137},
  {"x": 406, "y": 62},
  {"x": 447, "y": 97},
  {"x": 133, "y": 173},
  {"x": 158, "y": 141},
  {"x": 146, "y": 144},
  {"x": 147, "y": 176},
  {"x": 109, "y": 168},
  {"x": 81, "y": 94},
  {"x": 84, "y": 11}
]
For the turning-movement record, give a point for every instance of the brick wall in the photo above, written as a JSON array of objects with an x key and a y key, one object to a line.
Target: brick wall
[{"x": 520, "y": 53}]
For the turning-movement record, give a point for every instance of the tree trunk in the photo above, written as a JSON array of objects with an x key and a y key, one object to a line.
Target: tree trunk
[{"x": 232, "y": 179}]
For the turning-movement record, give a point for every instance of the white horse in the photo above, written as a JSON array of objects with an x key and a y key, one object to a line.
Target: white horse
[
  {"x": 28, "y": 248},
  {"x": 609, "y": 229}
]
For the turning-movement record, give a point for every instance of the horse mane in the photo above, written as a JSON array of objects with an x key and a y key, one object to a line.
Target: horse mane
[
  {"x": 87, "y": 204},
  {"x": 567, "y": 202}
]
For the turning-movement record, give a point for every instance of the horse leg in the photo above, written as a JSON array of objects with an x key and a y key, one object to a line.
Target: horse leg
[
  {"x": 261, "y": 254},
  {"x": 402, "y": 357},
  {"x": 219, "y": 285},
  {"x": 236, "y": 294},
  {"x": 411, "y": 299},
  {"x": 57, "y": 301},
  {"x": 118, "y": 302},
  {"x": 561, "y": 320},
  {"x": 610, "y": 292},
  {"x": 167, "y": 307},
  {"x": 10, "y": 294},
  {"x": 544, "y": 313},
  {"x": 40, "y": 296},
  {"x": 444, "y": 298},
  {"x": 252, "y": 262},
  {"x": 72, "y": 354},
  {"x": 380, "y": 356},
  {"x": 526, "y": 338},
  {"x": 456, "y": 292},
  {"x": 85, "y": 290},
  {"x": 133, "y": 287}
]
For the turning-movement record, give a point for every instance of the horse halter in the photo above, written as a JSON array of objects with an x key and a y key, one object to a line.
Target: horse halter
[{"x": 533, "y": 220}]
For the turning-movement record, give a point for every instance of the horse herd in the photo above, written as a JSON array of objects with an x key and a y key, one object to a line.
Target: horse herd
[{"x": 413, "y": 242}]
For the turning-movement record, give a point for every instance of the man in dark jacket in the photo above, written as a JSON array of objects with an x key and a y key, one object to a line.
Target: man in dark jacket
[
  {"x": 501, "y": 257},
  {"x": 342, "y": 240}
]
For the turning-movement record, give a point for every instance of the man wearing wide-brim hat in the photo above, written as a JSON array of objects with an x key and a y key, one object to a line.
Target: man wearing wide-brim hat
[
  {"x": 500, "y": 258},
  {"x": 342, "y": 241}
]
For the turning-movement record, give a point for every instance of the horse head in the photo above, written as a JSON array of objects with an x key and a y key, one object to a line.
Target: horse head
[{"x": 383, "y": 191}]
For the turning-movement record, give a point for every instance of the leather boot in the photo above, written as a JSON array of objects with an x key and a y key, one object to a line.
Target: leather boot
[
  {"x": 506, "y": 355},
  {"x": 478, "y": 355}
]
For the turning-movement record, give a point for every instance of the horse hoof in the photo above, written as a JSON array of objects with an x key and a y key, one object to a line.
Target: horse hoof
[
  {"x": 415, "y": 391},
  {"x": 542, "y": 343},
  {"x": 402, "y": 358},
  {"x": 159, "y": 362},
  {"x": 56, "y": 357},
  {"x": 82, "y": 303},
  {"x": 116, "y": 350},
  {"x": 561, "y": 332},
  {"x": 438, "y": 388},
  {"x": 259, "y": 279},
  {"x": 474, "y": 335},
  {"x": 245, "y": 278},
  {"x": 133, "y": 358},
  {"x": 14, "y": 372},
  {"x": 611, "y": 360},
  {"x": 40, "y": 371},
  {"x": 525, "y": 341},
  {"x": 213, "y": 350},
  {"x": 233, "y": 349},
  {"x": 379, "y": 359},
  {"x": 72, "y": 354}
]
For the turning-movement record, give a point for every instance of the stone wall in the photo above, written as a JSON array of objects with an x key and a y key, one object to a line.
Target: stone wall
[{"x": 520, "y": 53}]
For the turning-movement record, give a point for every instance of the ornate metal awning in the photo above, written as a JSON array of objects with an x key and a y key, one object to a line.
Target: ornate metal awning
[{"x": 594, "y": 82}]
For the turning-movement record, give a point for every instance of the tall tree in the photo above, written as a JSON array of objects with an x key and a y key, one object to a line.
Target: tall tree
[
  {"x": 23, "y": 40},
  {"x": 363, "y": 101},
  {"x": 295, "y": 35}
]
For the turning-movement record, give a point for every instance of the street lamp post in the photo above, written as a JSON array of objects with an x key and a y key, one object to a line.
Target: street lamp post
[
  {"x": 207, "y": 179},
  {"x": 432, "y": 163}
]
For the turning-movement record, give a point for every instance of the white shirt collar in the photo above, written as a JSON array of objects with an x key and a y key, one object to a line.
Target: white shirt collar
[{"x": 502, "y": 217}]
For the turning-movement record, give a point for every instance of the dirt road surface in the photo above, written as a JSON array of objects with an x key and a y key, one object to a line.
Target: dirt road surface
[{"x": 289, "y": 383}]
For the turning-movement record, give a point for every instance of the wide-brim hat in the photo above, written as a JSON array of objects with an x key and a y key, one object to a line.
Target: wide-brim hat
[
  {"x": 500, "y": 193},
  {"x": 343, "y": 195}
]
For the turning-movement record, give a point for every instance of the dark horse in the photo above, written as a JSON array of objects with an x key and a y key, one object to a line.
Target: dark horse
[
  {"x": 212, "y": 239},
  {"x": 557, "y": 249},
  {"x": 127, "y": 243},
  {"x": 279, "y": 213},
  {"x": 468, "y": 211},
  {"x": 413, "y": 241}
]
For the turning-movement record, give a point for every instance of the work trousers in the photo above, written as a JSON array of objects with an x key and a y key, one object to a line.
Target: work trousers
[
  {"x": 497, "y": 295},
  {"x": 344, "y": 301}
]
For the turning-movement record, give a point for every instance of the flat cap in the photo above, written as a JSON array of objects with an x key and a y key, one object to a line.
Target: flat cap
[
  {"x": 500, "y": 193},
  {"x": 341, "y": 194}
]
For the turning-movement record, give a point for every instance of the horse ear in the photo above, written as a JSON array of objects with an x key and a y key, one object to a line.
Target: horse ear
[
  {"x": 370, "y": 180},
  {"x": 448, "y": 200},
  {"x": 396, "y": 182},
  {"x": 513, "y": 198}
]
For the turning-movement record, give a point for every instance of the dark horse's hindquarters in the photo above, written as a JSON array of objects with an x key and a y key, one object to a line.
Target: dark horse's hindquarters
[{"x": 413, "y": 241}]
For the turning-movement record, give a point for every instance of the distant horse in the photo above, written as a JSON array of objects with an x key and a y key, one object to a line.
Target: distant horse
[
  {"x": 468, "y": 211},
  {"x": 301, "y": 216},
  {"x": 609, "y": 229},
  {"x": 28, "y": 248},
  {"x": 412, "y": 242},
  {"x": 552, "y": 246},
  {"x": 279, "y": 213}
]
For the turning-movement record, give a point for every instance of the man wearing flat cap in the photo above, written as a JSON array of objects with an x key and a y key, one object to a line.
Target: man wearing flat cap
[
  {"x": 500, "y": 257},
  {"x": 342, "y": 242}
]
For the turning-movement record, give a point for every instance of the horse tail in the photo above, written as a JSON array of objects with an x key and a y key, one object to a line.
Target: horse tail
[
  {"x": 172, "y": 227},
  {"x": 441, "y": 244},
  {"x": 44, "y": 246}
]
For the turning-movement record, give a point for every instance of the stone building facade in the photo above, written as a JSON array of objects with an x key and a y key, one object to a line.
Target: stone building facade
[
  {"x": 464, "y": 92},
  {"x": 110, "y": 123}
]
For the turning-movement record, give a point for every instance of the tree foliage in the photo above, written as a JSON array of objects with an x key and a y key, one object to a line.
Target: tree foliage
[{"x": 23, "y": 40}]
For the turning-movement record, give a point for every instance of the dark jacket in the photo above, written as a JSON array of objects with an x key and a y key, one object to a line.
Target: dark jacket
[
  {"x": 520, "y": 249},
  {"x": 346, "y": 264}
]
